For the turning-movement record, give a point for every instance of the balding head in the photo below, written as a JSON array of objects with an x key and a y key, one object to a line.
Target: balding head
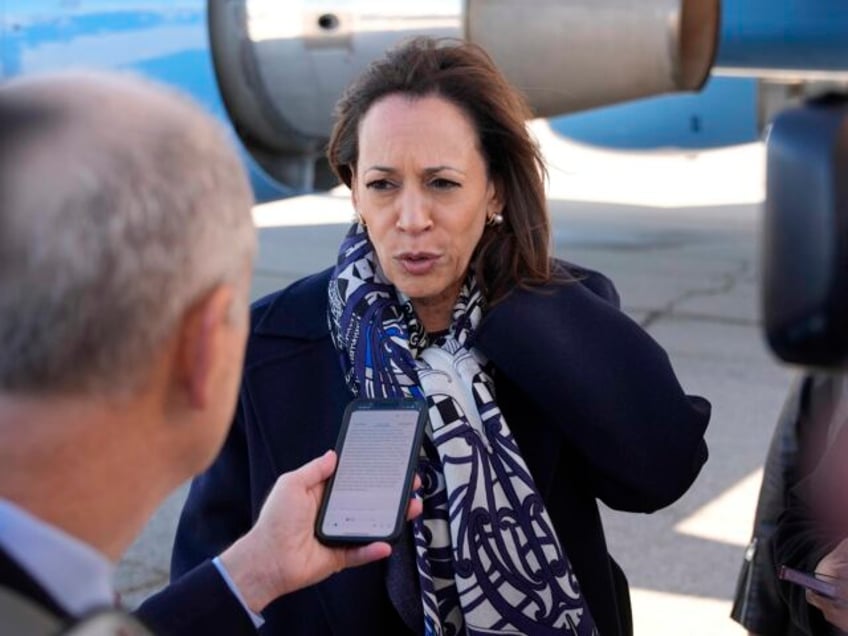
[{"x": 121, "y": 203}]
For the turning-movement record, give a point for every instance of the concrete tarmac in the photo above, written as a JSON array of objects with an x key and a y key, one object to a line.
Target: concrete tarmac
[{"x": 679, "y": 235}]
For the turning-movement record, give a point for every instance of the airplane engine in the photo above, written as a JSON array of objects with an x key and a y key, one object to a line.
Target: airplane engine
[{"x": 282, "y": 65}]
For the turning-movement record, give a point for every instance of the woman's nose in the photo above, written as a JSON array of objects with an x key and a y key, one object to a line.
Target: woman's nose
[{"x": 414, "y": 215}]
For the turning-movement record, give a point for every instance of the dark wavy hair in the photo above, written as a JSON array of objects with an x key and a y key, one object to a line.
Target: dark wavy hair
[{"x": 517, "y": 252}]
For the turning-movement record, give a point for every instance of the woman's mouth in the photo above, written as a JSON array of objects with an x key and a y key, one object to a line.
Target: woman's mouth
[{"x": 417, "y": 263}]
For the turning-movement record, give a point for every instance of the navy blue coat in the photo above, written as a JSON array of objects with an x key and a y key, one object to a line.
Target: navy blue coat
[
  {"x": 198, "y": 602},
  {"x": 591, "y": 399}
]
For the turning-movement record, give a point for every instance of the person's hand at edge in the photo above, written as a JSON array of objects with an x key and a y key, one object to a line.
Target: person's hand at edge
[{"x": 834, "y": 564}]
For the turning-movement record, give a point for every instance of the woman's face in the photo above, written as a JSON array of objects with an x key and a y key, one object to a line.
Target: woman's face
[{"x": 422, "y": 188}]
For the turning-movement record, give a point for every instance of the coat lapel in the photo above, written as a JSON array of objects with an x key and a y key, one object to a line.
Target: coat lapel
[
  {"x": 402, "y": 583},
  {"x": 317, "y": 398}
]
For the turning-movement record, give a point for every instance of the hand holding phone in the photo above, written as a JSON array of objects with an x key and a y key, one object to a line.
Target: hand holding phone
[
  {"x": 281, "y": 553},
  {"x": 378, "y": 447},
  {"x": 821, "y": 584}
]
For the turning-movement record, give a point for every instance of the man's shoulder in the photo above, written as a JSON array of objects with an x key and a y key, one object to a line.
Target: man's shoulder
[
  {"x": 26, "y": 608},
  {"x": 15, "y": 577},
  {"x": 23, "y": 599},
  {"x": 20, "y": 614}
]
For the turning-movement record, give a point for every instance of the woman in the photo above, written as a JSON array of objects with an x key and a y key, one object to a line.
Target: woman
[{"x": 556, "y": 399}]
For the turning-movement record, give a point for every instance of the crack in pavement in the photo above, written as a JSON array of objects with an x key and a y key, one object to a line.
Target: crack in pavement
[
  {"x": 691, "y": 316},
  {"x": 728, "y": 282}
]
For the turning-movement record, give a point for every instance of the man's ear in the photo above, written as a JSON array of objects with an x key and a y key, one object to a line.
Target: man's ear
[{"x": 201, "y": 339}]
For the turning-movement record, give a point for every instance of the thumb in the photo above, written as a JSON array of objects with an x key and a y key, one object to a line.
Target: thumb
[
  {"x": 354, "y": 557},
  {"x": 316, "y": 471}
]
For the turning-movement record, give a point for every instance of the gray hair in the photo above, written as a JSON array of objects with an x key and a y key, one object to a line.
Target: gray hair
[{"x": 121, "y": 203}]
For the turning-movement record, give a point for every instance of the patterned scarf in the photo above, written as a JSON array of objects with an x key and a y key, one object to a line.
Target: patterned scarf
[{"x": 489, "y": 560}]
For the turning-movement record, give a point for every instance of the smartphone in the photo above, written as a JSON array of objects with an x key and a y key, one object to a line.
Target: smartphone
[
  {"x": 809, "y": 581},
  {"x": 367, "y": 497}
]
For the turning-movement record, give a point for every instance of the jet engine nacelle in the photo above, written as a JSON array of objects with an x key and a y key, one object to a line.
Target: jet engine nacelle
[{"x": 283, "y": 64}]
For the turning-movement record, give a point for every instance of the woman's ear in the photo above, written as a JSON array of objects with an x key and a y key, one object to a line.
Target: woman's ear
[
  {"x": 495, "y": 204},
  {"x": 353, "y": 193},
  {"x": 354, "y": 199}
]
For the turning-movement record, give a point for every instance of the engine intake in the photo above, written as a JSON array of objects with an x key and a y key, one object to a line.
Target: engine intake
[{"x": 283, "y": 64}]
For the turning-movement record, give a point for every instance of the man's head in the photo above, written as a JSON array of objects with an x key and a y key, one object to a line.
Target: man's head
[
  {"x": 126, "y": 243},
  {"x": 121, "y": 206}
]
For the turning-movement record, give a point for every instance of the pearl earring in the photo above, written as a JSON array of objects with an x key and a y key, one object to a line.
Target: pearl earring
[{"x": 495, "y": 219}]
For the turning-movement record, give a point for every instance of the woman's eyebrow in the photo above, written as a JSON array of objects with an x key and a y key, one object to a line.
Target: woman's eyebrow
[
  {"x": 435, "y": 169},
  {"x": 427, "y": 171},
  {"x": 380, "y": 169}
]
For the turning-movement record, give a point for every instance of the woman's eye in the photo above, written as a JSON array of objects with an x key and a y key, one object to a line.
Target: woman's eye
[
  {"x": 444, "y": 184},
  {"x": 379, "y": 184}
]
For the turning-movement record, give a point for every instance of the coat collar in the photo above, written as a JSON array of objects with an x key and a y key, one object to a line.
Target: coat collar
[{"x": 273, "y": 315}]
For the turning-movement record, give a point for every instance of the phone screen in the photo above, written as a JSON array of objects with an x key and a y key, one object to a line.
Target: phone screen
[{"x": 378, "y": 451}]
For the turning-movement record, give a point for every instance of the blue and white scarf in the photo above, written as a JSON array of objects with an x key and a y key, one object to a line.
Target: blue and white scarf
[{"x": 488, "y": 557}]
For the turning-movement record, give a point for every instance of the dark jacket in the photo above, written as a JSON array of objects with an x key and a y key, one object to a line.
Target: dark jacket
[
  {"x": 590, "y": 398},
  {"x": 796, "y": 445},
  {"x": 15, "y": 579},
  {"x": 199, "y": 603},
  {"x": 813, "y": 522},
  {"x": 29, "y": 610}
]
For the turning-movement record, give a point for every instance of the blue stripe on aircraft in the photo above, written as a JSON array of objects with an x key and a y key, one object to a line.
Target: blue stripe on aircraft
[{"x": 724, "y": 113}]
